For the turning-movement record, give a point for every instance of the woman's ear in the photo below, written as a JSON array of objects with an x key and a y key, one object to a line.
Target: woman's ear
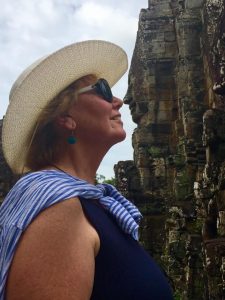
[{"x": 66, "y": 122}]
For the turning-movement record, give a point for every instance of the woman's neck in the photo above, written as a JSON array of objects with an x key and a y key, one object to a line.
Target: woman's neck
[{"x": 81, "y": 163}]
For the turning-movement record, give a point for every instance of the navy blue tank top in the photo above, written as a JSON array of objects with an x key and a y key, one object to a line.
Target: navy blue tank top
[{"x": 123, "y": 269}]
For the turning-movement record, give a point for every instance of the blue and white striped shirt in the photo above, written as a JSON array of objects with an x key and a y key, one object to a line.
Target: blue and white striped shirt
[{"x": 38, "y": 190}]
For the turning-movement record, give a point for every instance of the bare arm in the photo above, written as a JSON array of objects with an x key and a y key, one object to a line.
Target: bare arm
[{"x": 55, "y": 258}]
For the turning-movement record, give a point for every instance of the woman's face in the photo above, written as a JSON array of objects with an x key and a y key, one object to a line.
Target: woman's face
[{"x": 97, "y": 121}]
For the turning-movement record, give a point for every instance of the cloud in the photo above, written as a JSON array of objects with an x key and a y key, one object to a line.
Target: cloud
[{"x": 106, "y": 20}]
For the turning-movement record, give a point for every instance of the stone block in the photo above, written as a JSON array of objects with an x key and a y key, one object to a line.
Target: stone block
[
  {"x": 166, "y": 94},
  {"x": 173, "y": 236},
  {"x": 151, "y": 136},
  {"x": 190, "y": 4},
  {"x": 164, "y": 82},
  {"x": 151, "y": 81},
  {"x": 170, "y": 36},
  {"x": 165, "y": 67},
  {"x": 171, "y": 49},
  {"x": 156, "y": 116},
  {"x": 221, "y": 223},
  {"x": 158, "y": 129},
  {"x": 161, "y": 105},
  {"x": 159, "y": 167},
  {"x": 158, "y": 47},
  {"x": 153, "y": 35}
]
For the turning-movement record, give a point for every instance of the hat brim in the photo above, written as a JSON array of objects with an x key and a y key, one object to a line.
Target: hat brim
[{"x": 43, "y": 80}]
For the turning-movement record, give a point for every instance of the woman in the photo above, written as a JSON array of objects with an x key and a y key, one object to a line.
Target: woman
[{"x": 62, "y": 237}]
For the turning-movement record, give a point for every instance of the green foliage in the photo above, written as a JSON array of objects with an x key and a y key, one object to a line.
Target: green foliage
[
  {"x": 112, "y": 181},
  {"x": 99, "y": 178},
  {"x": 177, "y": 296},
  {"x": 102, "y": 179}
]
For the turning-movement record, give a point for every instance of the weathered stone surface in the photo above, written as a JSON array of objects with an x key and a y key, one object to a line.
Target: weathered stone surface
[
  {"x": 7, "y": 179},
  {"x": 127, "y": 179},
  {"x": 176, "y": 96}
]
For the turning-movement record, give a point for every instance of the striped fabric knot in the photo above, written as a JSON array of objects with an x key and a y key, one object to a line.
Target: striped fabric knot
[{"x": 126, "y": 214}]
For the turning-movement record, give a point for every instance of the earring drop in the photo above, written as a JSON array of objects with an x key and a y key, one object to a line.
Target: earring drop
[{"x": 71, "y": 139}]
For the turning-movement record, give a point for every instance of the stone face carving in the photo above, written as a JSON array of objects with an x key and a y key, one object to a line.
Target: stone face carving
[{"x": 176, "y": 93}]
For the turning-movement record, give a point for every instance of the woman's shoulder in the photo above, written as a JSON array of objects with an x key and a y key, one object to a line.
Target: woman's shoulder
[{"x": 58, "y": 239}]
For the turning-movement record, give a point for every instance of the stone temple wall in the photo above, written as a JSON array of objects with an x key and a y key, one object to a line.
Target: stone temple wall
[
  {"x": 176, "y": 95},
  {"x": 7, "y": 179}
]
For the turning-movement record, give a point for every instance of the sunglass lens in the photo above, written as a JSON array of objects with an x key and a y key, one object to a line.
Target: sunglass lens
[{"x": 104, "y": 89}]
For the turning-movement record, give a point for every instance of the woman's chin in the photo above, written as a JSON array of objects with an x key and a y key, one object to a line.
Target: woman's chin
[{"x": 120, "y": 137}]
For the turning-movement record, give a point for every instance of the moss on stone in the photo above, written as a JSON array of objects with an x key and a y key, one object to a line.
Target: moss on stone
[
  {"x": 177, "y": 295},
  {"x": 195, "y": 226},
  {"x": 155, "y": 151},
  {"x": 179, "y": 160},
  {"x": 183, "y": 185}
]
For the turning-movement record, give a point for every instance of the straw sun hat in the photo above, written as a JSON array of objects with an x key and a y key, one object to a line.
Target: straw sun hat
[{"x": 43, "y": 80}]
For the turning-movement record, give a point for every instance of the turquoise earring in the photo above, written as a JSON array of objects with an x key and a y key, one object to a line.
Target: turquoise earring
[{"x": 71, "y": 139}]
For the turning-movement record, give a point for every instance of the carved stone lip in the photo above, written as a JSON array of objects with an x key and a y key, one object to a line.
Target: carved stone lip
[{"x": 132, "y": 106}]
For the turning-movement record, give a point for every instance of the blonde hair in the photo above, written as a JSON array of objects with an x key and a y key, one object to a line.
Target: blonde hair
[{"x": 44, "y": 145}]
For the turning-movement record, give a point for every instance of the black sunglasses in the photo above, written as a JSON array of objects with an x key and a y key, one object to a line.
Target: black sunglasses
[{"x": 101, "y": 87}]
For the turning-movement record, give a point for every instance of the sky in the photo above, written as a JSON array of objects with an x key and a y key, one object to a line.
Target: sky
[{"x": 30, "y": 29}]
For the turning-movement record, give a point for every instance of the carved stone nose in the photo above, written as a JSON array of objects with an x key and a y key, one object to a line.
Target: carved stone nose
[{"x": 127, "y": 100}]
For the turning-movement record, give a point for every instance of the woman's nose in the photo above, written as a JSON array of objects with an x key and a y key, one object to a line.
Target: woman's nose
[{"x": 117, "y": 103}]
